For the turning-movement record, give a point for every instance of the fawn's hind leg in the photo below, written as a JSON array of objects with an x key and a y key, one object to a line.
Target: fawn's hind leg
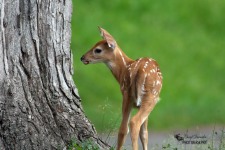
[
  {"x": 144, "y": 134},
  {"x": 147, "y": 105}
]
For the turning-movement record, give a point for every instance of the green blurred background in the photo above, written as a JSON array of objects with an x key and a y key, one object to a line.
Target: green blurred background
[{"x": 186, "y": 37}]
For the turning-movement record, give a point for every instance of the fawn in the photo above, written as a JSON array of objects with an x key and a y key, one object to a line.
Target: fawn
[{"x": 140, "y": 83}]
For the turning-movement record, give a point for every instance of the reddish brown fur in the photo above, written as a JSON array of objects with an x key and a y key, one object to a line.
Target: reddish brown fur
[{"x": 140, "y": 83}]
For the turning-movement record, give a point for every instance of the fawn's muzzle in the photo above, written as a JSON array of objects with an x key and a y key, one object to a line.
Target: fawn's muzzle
[
  {"x": 82, "y": 58},
  {"x": 84, "y": 61}
]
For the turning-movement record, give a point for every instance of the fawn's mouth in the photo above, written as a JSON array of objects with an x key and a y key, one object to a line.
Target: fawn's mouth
[{"x": 86, "y": 62}]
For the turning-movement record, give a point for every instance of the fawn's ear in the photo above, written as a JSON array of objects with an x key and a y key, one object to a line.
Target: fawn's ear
[{"x": 109, "y": 39}]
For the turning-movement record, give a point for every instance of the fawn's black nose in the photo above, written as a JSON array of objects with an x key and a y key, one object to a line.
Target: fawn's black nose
[{"x": 82, "y": 58}]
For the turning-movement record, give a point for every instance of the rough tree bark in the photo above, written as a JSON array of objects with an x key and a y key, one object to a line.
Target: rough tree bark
[{"x": 39, "y": 104}]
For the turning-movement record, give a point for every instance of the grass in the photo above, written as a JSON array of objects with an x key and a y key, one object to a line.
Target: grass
[
  {"x": 86, "y": 145},
  {"x": 185, "y": 37}
]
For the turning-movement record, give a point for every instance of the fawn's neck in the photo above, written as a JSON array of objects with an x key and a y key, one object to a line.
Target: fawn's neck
[{"x": 118, "y": 65}]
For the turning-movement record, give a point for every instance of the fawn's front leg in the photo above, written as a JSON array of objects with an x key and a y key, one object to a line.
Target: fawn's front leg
[{"x": 123, "y": 131}]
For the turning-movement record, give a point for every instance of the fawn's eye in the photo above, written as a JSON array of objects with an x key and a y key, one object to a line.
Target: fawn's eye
[{"x": 98, "y": 50}]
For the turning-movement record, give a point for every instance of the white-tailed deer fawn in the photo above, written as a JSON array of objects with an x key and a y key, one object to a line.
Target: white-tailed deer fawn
[{"x": 140, "y": 83}]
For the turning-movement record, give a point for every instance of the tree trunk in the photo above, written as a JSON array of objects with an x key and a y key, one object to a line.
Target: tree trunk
[{"x": 39, "y": 104}]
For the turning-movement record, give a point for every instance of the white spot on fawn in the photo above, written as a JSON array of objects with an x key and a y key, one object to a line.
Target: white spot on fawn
[
  {"x": 137, "y": 62},
  {"x": 158, "y": 82},
  {"x": 143, "y": 84},
  {"x": 154, "y": 91},
  {"x": 130, "y": 72},
  {"x": 124, "y": 62},
  {"x": 160, "y": 74},
  {"x": 146, "y": 64},
  {"x": 152, "y": 71}
]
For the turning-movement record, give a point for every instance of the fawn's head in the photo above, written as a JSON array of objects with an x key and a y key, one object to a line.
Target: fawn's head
[{"x": 103, "y": 51}]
